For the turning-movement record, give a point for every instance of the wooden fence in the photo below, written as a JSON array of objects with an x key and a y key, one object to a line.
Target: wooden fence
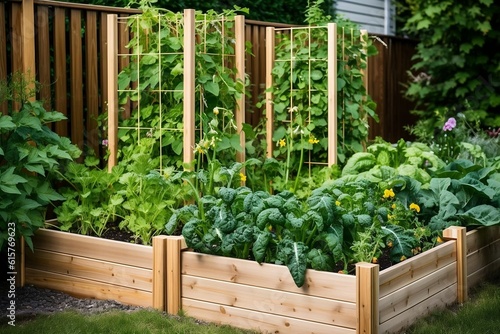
[{"x": 64, "y": 46}]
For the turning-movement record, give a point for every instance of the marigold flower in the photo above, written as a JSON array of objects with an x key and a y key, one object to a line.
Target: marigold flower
[
  {"x": 337, "y": 203},
  {"x": 313, "y": 140},
  {"x": 414, "y": 207},
  {"x": 282, "y": 143},
  {"x": 243, "y": 177},
  {"x": 389, "y": 193}
]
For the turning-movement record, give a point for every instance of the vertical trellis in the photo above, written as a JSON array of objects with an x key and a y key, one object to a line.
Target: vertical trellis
[
  {"x": 194, "y": 31},
  {"x": 330, "y": 93}
]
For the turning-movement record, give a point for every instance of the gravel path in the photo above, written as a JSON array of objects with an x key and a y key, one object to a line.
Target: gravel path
[{"x": 31, "y": 301}]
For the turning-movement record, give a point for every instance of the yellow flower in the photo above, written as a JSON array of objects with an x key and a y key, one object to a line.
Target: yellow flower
[
  {"x": 282, "y": 143},
  {"x": 389, "y": 217},
  {"x": 393, "y": 206},
  {"x": 439, "y": 240},
  {"x": 402, "y": 258},
  {"x": 199, "y": 149},
  {"x": 389, "y": 244},
  {"x": 216, "y": 111},
  {"x": 243, "y": 177},
  {"x": 337, "y": 203},
  {"x": 374, "y": 260},
  {"x": 414, "y": 207},
  {"x": 389, "y": 193},
  {"x": 313, "y": 140}
]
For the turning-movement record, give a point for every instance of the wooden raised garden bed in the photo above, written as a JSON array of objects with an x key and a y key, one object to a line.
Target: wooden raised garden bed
[{"x": 264, "y": 297}]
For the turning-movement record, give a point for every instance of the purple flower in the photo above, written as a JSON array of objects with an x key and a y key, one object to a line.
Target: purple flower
[
  {"x": 105, "y": 142},
  {"x": 450, "y": 124}
]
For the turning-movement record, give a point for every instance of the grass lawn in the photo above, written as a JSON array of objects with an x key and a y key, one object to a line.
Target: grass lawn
[{"x": 480, "y": 315}]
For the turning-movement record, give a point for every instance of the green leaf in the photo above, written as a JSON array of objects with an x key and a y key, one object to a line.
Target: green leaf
[
  {"x": 402, "y": 241},
  {"x": 6, "y": 123},
  {"x": 260, "y": 246},
  {"x": 212, "y": 87},
  {"x": 316, "y": 75},
  {"x": 297, "y": 263},
  {"x": 482, "y": 215},
  {"x": 47, "y": 194},
  {"x": 319, "y": 260},
  {"x": 424, "y": 24}
]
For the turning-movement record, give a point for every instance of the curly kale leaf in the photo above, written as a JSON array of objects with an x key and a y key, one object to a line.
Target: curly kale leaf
[{"x": 271, "y": 216}]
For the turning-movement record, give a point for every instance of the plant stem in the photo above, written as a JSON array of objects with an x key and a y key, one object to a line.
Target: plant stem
[{"x": 301, "y": 162}]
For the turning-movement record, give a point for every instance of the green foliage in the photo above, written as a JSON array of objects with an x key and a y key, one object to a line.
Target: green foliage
[
  {"x": 31, "y": 154},
  {"x": 455, "y": 61},
  {"x": 134, "y": 195},
  {"x": 160, "y": 82},
  {"x": 299, "y": 86}
]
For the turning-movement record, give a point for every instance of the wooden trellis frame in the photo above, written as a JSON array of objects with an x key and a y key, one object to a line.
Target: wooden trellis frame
[
  {"x": 331, "y": 90},
  {"x": 189, "y": 89}
]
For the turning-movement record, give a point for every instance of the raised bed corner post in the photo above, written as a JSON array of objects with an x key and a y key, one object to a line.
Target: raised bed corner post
[
  {"x": 28, "y": 44},
  {"x": 112, "y": 84},
  {"x": 175, "y": 244},
  {"x": 367, "y": 297},
  {"x": 332, "y": 94},
  {"x": 189, "y": 85},
  {"x": 160, "y": 272},
  {"x": 270, "y": 54},
  {"x": 459, "y": 234}
]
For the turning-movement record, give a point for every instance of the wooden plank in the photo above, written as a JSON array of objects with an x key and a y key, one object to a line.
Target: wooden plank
[
  {"x": 43, "y": 56},
  {"x": 416, "y": 292},
  {"x": 318, "y": 283},
  {"x": 174, "y": 246},
  {"x": 458, "y": 233},
  {"x": 16, "y": 44},
  {"x": 240, "y": 76},
  {"x": 159, "y": 272},
  {"x": 481, "y": 237},
  {"x": 405, "y": 319},
  {"x": 480, "y": 275},
  {"x": 112, "y": 88},
  {"x": 410, "y": 270},
  {"x": 91, "y": 81},
  {"x": 258, "y": 299},
  {"x": 103, "y": 63},
  {"x": 76, "y": 79},
  {"x": 332, "y": 94},
  {"x": 367, "y": 286},
  {"x": 259, "y": 321},
  {"x": 28, "y": 45},
  {"x": 269, "y": 95},
  {"x": 97, "y": 248},
  {"x": 189, "y": 85},
  {"x": 60, "y": 70},
  {"x": 483, "y": 257},
  {"x": 106, "y": 9},
  {"x": 3, "y": 55},
  {"x": 87, "y": 268},
  {"x": 83, "y": 288}
]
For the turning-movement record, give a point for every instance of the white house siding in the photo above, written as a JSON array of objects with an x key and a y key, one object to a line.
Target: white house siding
[{"x": 369, "y": 14}]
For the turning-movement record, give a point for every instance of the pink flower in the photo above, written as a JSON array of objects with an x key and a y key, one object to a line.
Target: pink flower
[
  {"x": 450, "y": 124},
  {"x": 105, "y": 142}
]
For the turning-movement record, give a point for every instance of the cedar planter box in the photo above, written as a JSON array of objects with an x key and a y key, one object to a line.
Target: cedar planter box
[
  {"x": 264, "y": 297},
  {"x": 92, "y": 267}
]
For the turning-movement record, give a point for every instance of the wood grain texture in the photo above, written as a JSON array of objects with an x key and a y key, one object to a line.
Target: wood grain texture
[
  {"x": 84, "y": 288},
  {"x": 318, "y": 283},
  {"x": 96, "y": 248},
  {"x": 259, "y": 321}
]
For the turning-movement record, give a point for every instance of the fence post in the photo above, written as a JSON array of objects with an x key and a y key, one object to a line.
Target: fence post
[
  {"x": 270, "y": 54},
  {"x": 174, "y": 284},
  {"x": 28, "y": 44},
  {"x": 367, "y": 292},
  {"x": 240, "y": 67},
  {"x": 189, "y": 84},
  {"x": 112, "y": 75},
  {"x": 460, "y": 235},
  {"x": 332, "y": 94},
  {"x": 159, "y": 272}
]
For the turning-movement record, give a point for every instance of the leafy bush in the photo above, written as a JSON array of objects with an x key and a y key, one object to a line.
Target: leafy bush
[
  {"x": 455, "y": 61},
  {"x": 31, "y": 154}
]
